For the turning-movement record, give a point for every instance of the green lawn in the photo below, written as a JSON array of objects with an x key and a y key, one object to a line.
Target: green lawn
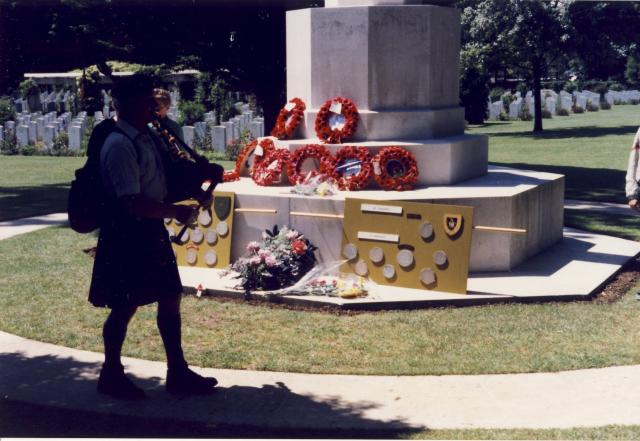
[
  {"x": 590, "y": 149},
  {"x": 44, "y": 278}
]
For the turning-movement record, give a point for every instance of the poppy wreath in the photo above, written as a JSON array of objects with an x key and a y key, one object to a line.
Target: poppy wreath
[
  {"x": 288, "y": 121},
  {"x": 230, "y": 176},
  {"x": 318, "y": 152},
  {"x": 395, "y": 168},
  {"x": 335, "y": 136},
  {"x": 269, "y": 170},
  {"x": 356, "y": 181},
  {"x": 245, "y": 154}
]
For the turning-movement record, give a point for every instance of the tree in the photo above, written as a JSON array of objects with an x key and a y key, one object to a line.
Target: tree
[{"x": 527, "y": 36}]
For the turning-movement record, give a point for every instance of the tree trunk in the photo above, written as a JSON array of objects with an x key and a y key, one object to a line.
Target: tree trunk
[{"x": 537, "y": 103}]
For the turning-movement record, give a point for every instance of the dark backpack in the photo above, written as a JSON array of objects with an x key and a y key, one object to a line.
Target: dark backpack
[{"x": 88, "y": 203}]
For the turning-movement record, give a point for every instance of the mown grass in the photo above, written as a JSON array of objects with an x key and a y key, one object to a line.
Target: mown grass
[
  {"x": 44, "y": 278},
  {"x": 591, "y": 149},
  {"x": 35, "y": 185}
]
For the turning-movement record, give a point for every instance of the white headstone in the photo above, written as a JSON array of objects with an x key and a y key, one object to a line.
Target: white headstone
[
  {"x": 200, "y": 129},
  {"x": 189, "y": 133},
  {"x": 566, "y": 102},
  {"x": 33, "y": 132},
  {"x": 10, "y": 127},
  {"x": 39, "y": 128},
  {"x": 229, "y": 126},
  {"x": 581, "y": 100},
  {"x": 48, "y": 136},
  {"x": 551, "y": 104},
  {"x": 514, "y": 108},
  {"x": 219, "y": 138},
  {"x": 495, "y": 109},
  {"x": 75, "y": 137},
  {"x": 1, "y": 133},
  {"x": 256, "y": 129},
  {"x": 22, "y": 135}
]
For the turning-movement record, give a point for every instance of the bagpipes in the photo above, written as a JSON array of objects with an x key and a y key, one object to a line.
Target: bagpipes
[{"x": 186, "y": 171}]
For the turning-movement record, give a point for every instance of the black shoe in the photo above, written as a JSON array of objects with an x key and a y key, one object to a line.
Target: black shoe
[
  {"x": 187, "y": 382},
  {"x": 115, "y": 383}
]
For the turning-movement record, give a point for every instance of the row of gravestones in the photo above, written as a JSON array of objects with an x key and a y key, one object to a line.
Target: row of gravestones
[
  {"x": 30, "y": 128},
  {"x": 228, "y": 131},
  {"x": 553, "y": 101},
  {"x": 49, "y": 102}
]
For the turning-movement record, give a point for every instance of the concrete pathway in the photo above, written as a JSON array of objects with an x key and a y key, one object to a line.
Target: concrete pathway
[
  {"x": 50, "y": 375},
  {"x": 44, "y": 374},
  {"x": 600, "y": 207},
  {"x": 29, "y": 224}
]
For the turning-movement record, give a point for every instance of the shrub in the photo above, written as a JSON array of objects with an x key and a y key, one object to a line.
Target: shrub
[
  {"x": 29, "y": 87},
  {"x": 506, "y": 101},
  {"x": 190, "y": 112},
  {"x": 7, "y": 112},
  {"x": 619, "y": 102},
  {"x": 604, "y": 105},
  {"x": 525, "y": 115},
  {"x": 496, "y": 94},
  {"x": 545, "y": 114},
  {"x": 474, "y": 89},
  {"x": 562, "y": 112},
  {"x": 233, "y": 148},
  {"x": 504, "y": 116},
  {"x": 591, "y": 107},
  {"x": 202, "y": 143},
  {"x": 616, "y": 87},
  {"x": 28, "y": 150},
  {"x": 522, "y": 88},
  {"x": 577, "y": 109},
  {"x": 9, "y": 145},
  {"x": 634, "y": 102},
  {"x": 60, "y": 146},
  {"x": 570, "y": 86}
]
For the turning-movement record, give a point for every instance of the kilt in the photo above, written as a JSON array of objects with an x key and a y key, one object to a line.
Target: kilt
[{"x": 134, "y": 264}]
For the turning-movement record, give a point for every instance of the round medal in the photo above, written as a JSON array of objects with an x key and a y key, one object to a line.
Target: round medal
[
  {"x": 405, "y": 258},
  {"x": 350, "y": 251}
]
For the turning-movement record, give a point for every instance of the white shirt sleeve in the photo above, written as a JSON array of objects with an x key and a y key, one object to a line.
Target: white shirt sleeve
[{"x": 632, "y": 177}]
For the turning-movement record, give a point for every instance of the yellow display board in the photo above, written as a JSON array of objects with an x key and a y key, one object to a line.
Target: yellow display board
[
  {"x": 208, "y": 245},
  {"x": 408, "y": 244}
]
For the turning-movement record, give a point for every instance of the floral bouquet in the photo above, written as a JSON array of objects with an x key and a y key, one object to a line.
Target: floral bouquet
[
  {"x": 318, "y": 185},
  {"x": 281, "y": 259}
]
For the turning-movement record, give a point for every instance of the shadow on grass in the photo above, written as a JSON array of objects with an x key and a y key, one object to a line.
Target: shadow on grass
[
  {"x": 582, "y": 183},
  {"x": 69, "y": 406},
  {"x": 19, "y": 202},
  {"x": 626, "y": 227},
  {"x": 570, "y": 132}
]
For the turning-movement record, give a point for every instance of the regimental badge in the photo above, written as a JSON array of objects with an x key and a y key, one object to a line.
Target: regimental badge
[
  {"x": 222, "y": 206},
  {"x": 452, "y": 224}
]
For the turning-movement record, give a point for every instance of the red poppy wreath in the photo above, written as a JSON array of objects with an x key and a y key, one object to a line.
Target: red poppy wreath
[
  {"x": 337, "y": 120},
  {"x": 269, "y": 170},
  {"x": 289, "y": 119},
  {"x": 252, "y": 154},
  {"x": 394, "y": 168},
  {"x": 321, "y": 155},
  {"x": 352, "y": 168},
  {"x": 230, "y": 176}
]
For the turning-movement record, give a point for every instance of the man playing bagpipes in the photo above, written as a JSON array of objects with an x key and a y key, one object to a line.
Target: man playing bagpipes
[
  {"x": 633, "y": 174},
  {"x": 134, "y": 262}
]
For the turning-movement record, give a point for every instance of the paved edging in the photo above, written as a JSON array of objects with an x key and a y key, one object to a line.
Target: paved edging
[{"x": 45, "y": 374}]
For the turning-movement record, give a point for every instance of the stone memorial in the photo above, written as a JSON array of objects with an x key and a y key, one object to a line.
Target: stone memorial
[
  {"x": 10, "y": 127},
  {"x": 1, "y": 133},
  {"x": 39, "y": 128},
  {"x": 515, "y": 108},
  {"x": 581, "y": 100}
]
